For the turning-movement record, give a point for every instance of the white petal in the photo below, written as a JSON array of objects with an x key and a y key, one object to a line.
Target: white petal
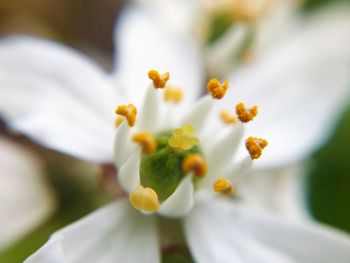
[
  {"x": 252, "y": 236},
  {"x": 56, "y": 96},
  {"x": 300, "y": 87},
  {"x": 146, "y": 42},
  {"x": 115, "y": 233},
  {"x": 181, "y": 201},
  {"x": 26, "y": 199},
  {"x": 123, "y": 146},
  {"x": 280, "y": 190},
  {"x": 51, "y": 252},
  {"x": 178, "y": 15},
  {"x": 199, "y": 114},
  {"x": 129, "y": 173}
]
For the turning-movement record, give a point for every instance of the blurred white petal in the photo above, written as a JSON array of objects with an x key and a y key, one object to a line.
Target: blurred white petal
[
  {"x": 26, "y": 199},
  {"x": 115, "y": 233},
  {"x": 222, "y": 231},
  {"x": 145, "y": 42},
  {"x": 281, "y": 190},
  {"x": 300, "y": 87},
  {"x": 56, "y": 96}
]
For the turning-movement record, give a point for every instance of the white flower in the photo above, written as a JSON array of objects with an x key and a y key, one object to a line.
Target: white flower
[
  {"x": 64, "y": 101},
  {"x": 26, "y": 199},
  {"x": 228, "y": 32}
]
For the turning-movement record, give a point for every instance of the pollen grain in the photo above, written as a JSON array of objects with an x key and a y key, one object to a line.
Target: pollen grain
[
  {"x": 159, "y": 81},
  {"x": 255, "y": 146},
  {"x": 195, "y": 163},
  {"x": 147, "y": 142},
  {"x": 129, "y": 112},
  {"x": 246, "y": 115},
  {"x": 216, "y": 89},
  {"x": 223, "y": 186}
]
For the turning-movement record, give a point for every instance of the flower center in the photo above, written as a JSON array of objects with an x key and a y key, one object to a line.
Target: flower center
[
  {"x": 164, "y": 169},
  {"x": 169, "y": 166}
]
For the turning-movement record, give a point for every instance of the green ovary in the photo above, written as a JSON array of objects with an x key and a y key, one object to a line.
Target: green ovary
[{"x": 161, "y": 170}]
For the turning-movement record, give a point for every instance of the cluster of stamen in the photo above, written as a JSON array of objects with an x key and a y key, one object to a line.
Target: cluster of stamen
[
  {"x": 147, "y": 142},
  {"x": 246, "y": 115},
  {"x": 223, "y": 186},
  {"x": 216, "y": 89},
  {"x": 255, "y": 146},
  {"x": 159, "y": 81},
  {"x": 173, "y": 94},
  {"x": 195, "y": 163},
  {"x": 127, "y": 111},
  {"x": 181, "y": 145}
]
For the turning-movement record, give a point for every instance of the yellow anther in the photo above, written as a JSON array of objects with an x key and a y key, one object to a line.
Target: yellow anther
[
  {"x": 195, "y": 163},
  {"x": 173, "y": 94},
  {"x": 223, "y": 186},
  {"x": 255, "y": 146},
  {"x": 216, "y": 89},
  {"x": 147, "y": 141},
  {"x": 118, "y": 121},
  {"x": 144, "y": 199},
  {"x": 227, "y": 117},
  {"x": 183, "y": 138},
  {"x": 129, "y": 112},
  {"x": 244, "y": 114},
  {"x": 159, "y": 81}
]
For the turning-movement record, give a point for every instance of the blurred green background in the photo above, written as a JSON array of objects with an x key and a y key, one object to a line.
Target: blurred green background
[{"x": 88, "y": 26}]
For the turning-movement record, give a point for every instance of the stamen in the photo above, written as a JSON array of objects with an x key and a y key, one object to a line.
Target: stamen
[
  {"x": 223, "y": 186},
  {"x": 217, "y": 89},
  {"x": 227, "y": 117},
  {"x": 173, "y": 94},
  {"x": 244, "y": 114},
  {"x": 255, "y": 146},
  {"x": 195, "y": 163},
  {"x": 147, "y": 142},
  {"x": 159, "y": 81},
  {"x": 183, "y": 138},
  {"x": 144, "y": 199},
  {"x": 118, "y": 121},
  {"x": 129, "y": 112}
]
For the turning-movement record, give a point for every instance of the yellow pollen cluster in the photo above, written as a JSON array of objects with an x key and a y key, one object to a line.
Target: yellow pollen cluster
[
  {"x": 255, "y": 146},
  {"x": 144, "y": 199},
  {"x": 223, "y": 186},
  {"x": 195, "y": 163},
  {"x": 129, "y": 112},
  {"x": 159, "y": 81},
  {"x": 244, "y": 114},
  {"x": 147, "y": 142},
  {"x": 173, "y": 94},
  {"x": 227, "y": 117},
  {"x": 183, "y": 138},
  {"x": 216, "y": 89}
]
